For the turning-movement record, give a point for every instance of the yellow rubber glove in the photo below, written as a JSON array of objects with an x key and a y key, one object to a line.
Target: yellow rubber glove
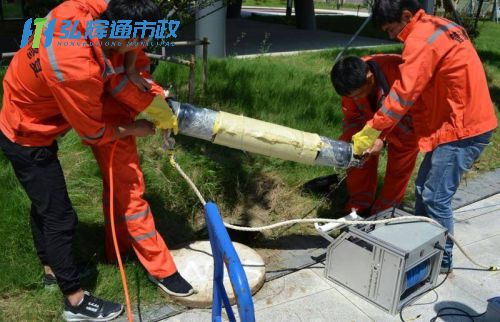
[
  {"x": 160, "y": 113},
  {"x": 364, "y": 139}
]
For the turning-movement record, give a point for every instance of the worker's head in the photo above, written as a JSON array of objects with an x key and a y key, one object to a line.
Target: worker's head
[
  {"x": 393, "y": 15},
  {"x": 351, "y": 77},
  {"x": 135, "y": 11}
]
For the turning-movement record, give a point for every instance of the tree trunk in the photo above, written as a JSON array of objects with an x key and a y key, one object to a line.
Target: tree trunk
[
  {"x": 234, "y": 9},
  {"x": 304, "y": 13}
]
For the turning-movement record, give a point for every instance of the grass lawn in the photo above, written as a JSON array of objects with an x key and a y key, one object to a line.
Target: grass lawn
[
  {"x": 294, "y": 91},
  {"x": 12, "y": 9}
]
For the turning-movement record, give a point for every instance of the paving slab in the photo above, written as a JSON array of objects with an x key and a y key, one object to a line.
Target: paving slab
[
  {"x": 476, "y": 189},
  {"x": 153, "y": 313},
  {"x": 479, "y": 221},
  {"x": 468, "y": 289},
  {"x": 288, "y": 288},
  {"x": 450, "y": 294},
  {"x": 470, "y": 279},
  {"x": 306, "y": 295},
  {"x": 426, "y": 307},
  {"x": 290, "y": 254},
  {"x": 486, "y": 205},
  {"x": 328, "y": 305},
  {"x": 195, "y": 315}
]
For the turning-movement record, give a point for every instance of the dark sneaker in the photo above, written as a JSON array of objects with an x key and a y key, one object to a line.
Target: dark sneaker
[
  {"x": 49, "y": 282},
  {"x": 174, "y": 285},
  {"x": 91, "y": 309}
]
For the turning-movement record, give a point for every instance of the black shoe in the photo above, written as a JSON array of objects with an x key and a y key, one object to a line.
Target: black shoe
[
  {"x": 91, "y": 309},
  {"x": 174, "y": 285}
]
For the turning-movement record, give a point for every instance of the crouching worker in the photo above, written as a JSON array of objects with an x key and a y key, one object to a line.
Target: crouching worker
[
  {"x": 42, "y": 104},
  {"x": 363, "y": 85},
  {"x": 455, "y": 119}
]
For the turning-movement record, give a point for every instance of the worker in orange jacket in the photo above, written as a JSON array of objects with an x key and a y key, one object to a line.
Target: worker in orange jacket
[
  {"x": 363, "y": 84},
  {"x": 455, "y": 119},
  {"x": 48, "y": 91}
]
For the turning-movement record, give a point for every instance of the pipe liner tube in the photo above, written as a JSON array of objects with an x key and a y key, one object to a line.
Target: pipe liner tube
[{"x": 248, "y": 134}]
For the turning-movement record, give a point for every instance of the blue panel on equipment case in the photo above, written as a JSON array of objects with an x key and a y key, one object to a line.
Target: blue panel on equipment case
[{"x": 417, "y": 274}]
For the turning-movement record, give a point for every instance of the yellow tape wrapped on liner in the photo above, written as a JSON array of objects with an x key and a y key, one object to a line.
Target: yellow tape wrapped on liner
[{"x": 244, "y": 133}]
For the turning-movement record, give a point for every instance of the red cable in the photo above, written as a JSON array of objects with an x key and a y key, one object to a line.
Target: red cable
[{"x": 113, "y": 232}]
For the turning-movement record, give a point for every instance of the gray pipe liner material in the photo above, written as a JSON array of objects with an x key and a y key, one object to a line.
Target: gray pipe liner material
[
  {"x": 199, "y": 123},
  {"x": 195, "y": 121},
  {"x": 336, "y": 153}
]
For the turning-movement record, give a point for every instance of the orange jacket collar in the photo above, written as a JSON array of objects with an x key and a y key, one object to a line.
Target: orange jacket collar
[{"x": 409, "y": 26}]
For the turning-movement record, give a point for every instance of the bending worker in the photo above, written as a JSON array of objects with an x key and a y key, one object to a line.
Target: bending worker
[
  {"x": 48, "y": 91},
  {"x": 455, "y": 121},
  {"x": 363, "y": 85}
]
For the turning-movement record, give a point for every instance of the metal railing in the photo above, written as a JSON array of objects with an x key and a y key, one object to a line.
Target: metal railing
[
  {"x": 224, "y": 253},
  {"x": 6, "y": 55},
  {"x": 190, "y": 63}
]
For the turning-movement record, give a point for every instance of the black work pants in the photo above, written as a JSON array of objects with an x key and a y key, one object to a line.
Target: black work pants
[{"x": 53, "y": 219}]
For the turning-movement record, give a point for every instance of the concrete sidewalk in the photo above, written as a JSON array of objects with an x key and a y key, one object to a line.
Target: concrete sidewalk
[{"x": 307, "y": 296}]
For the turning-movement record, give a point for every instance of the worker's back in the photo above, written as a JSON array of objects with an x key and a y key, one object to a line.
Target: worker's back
[
  {"x": 442, "y": 70},
  {"x": 33, "y": 110}
]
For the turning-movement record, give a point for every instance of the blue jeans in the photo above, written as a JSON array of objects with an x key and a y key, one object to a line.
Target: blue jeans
[{"x": 438, "y": 179}]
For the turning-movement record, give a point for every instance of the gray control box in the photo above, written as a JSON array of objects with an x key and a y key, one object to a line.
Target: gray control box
[{"x": 387, "y": 264}]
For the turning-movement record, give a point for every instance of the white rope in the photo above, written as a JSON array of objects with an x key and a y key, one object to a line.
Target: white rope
[
  {"x": 327, "y": 220},
  {"x": 188, "y": 180}
]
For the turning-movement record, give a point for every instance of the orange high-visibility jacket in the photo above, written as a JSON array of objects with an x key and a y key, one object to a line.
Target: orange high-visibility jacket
[
  {"x": 442, "y": 69},
  {"x": 49, "y": 90},
  {"x": 123, "y": 90},
  {"x": 358, "y": 112}
]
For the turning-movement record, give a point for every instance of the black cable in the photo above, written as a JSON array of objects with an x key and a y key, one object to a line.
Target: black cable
[{"x": 432, "y": 289}]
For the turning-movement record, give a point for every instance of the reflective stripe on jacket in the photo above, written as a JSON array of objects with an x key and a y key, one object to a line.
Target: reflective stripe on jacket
[{"x": 50, "y": 90}]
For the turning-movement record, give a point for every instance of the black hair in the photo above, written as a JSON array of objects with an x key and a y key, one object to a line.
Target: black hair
[
  {"x": 349, "y": 74},
  {"x": 135, "y": 10},
  {"x": 389, "y": 11}
]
